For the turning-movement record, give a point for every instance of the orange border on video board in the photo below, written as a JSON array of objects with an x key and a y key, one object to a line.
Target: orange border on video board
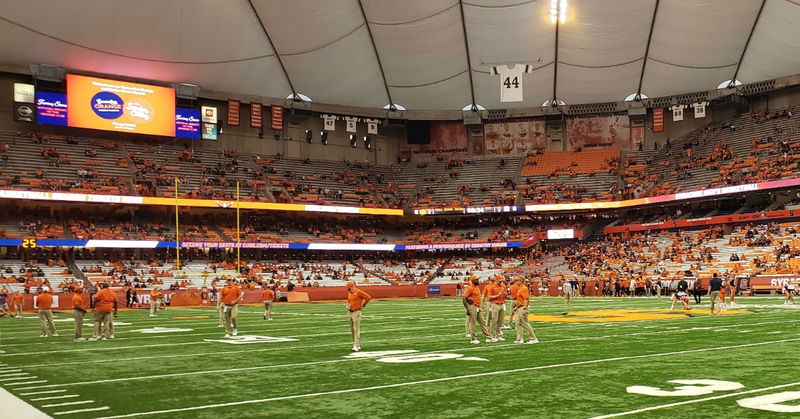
[{"x": 146, "y": 109}]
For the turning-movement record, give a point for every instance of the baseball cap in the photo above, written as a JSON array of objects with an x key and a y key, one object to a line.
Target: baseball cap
[{"x": 351, "y": 284}]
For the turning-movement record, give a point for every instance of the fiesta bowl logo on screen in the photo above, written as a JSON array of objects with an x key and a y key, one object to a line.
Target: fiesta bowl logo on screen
[
  {"x": 107, "y": 105},
  {"x": 115, "y": 105}
]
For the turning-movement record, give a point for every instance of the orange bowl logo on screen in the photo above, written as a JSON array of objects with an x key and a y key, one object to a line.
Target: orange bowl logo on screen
[{"x": 114, "y": 105}]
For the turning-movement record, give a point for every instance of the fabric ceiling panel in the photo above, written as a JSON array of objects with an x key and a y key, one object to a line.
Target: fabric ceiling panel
[
  {"x": 422, "y": 53},
  {"x": 444, "y": 95},
  {"x": 510, "y": 33},
  {"x": 771, "y": 52},
  {"x": 696, "y": 45},
  {"x": 326, "y": 50},
  {"x": 578, "y": 85}
]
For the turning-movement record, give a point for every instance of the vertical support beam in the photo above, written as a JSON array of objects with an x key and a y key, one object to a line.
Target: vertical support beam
[
  {"x": 747, "y": 44},
  {"x": 272, "y": 46},
  {"x": 647, "y": 49},
  {"x": 466, "y": 50}
]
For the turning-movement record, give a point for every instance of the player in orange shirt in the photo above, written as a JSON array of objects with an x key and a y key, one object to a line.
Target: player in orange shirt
[
  {"x": 230, "y": 297},
  {"x": 497, "y": 298},
  {"x": 472, "y": 302},
  {"x": 16, "y": 301},
  {"x": 356, "y": 301},
  {"x": 155, "y": 300},
  {"x": 512, "y": 294},
  {"x": 521, "y": 306},
  {"x": 44, "y": 300},
  {"x": 267, "y": 296},
  {"x": 105, "y": 302},
  {"x": 78, "y": 310}
]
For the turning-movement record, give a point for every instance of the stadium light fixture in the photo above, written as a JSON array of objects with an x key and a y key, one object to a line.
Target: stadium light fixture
[
  {"x": 367, "y": 142},
  {"x": 353, "y": 141},
  {"x": 558, "y": 11},
  {"x": 323, "y": 136},
  {"x": 309, "y": 136}
]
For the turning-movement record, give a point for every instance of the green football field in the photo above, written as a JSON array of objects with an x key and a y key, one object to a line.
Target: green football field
[{"x": 614, "y": 357}]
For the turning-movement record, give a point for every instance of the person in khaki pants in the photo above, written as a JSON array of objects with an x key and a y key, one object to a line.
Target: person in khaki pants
[
  {"x": 521, "y": 307},
  {"x": 16, "y": 301},
  {"x": 472, "y": 302},
  {"x": 44, "y": 300},
  {"x": 356, "y": 301},
  {"x": 230, "y": 297},
  {"x": 155, "y": 300},
  {"x": 78, "y": 312},
  {"x": 105, "y": 301},
  {"x": 496, "y": 296}
]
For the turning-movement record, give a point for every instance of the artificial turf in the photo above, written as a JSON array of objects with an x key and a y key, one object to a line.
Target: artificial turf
[{"x": 579, "y": 369}]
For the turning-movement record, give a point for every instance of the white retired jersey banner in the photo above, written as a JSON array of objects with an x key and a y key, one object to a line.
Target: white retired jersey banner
[
  {"x": 351, "y": 123},
  {"x": 372, "y": 126},
  {"x": 699, "y": 109},
  {"x": 677, "y": 112},
  {"x": 330, "y": 122},
  {"x": 511, "y": 81}
]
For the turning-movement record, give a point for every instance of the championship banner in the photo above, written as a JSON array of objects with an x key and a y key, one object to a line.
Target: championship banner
[
  {"x": 448, "y": 138},
  {"x": 599, "y": 132},
  {"x": 330, "y": 122},
  {"x": 699, "y": 109},
  {"x": 514, "y": 138},
  {"x": 277, "y": 118},
  {"x": 351, "y": 123},
  {"x": 677, "y": 112},
  {"x": 658, "y": 119},
  {"x": 233, "y": 112},
  {"x": 372, "y": 126},
  {"x": 255, "y": 115}
]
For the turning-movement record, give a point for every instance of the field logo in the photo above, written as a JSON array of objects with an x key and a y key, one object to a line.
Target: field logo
[
  {"x": 245, "y": 339},
  {"x": 107, "y": 105}
]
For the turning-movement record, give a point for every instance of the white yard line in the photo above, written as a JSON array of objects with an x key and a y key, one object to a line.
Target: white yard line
[
  {"x": 16, "y": 408},
  {"x": 68, "y": 396},
  {"x": 19, "y": 378},
  {"x": 25, "y": 383},
  {"x": 444, "y": 379},
  {"x": 42, "y": 392},
  {"x": 68, "y": 403},
  {"x": 70, "y": 412},
  {"x": 705, "y": 399}
]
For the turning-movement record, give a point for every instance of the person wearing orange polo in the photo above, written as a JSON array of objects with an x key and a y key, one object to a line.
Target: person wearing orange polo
[
  {"x": 78, "y": 311},
  {"x": 521, "y": 306},
  {"x": 497, "y": 298},
  {"x": 44, "y": 300},
  {"x": 485, "y": 299},
  {"x": 356, "y": 301},
  {"x": 512, "y": 293},
  {"x": 472, "y": 302},
  {"x": 155, "y": 300},
  {"x": 16, "y": 301},
  {"x": 230, "y": 297},
  {"x": 268, "y": 296},
  {"x": 105, "y": 302}
]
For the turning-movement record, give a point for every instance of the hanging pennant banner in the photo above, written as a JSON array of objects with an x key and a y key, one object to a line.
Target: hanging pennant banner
[
  {"x": 699, "y": 109},
  {"x": 658, "y": 119},
  {"x": 233, "y": 112},
  {"x": 277, "y": 118},
  {"x": 330, "y": 122},
  {"x": 255, "y": 115},
  {"x": 351, "y": 123},
  {"x": 677, "y": 112}
]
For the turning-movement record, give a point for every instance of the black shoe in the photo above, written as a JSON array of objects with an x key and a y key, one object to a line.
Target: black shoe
[{"x": 265, "y": 316}]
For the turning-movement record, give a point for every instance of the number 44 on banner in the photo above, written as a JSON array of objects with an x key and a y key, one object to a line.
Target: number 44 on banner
[{"x": 511, "y": 81}]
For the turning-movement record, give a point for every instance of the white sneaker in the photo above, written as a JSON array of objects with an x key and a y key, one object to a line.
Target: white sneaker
[
  {"x": 152, "y": 315},
  {"x": 93, "y": 339},
  {"x": 235, "y": 332},
  {"x": 533, "y": 341},
  {"x": 227, "y": 335},
  {"x": 506, "y": 327},
  {"x": 79, "y": 339},
  {"x": 499, "y": 339},
  {"x": 474, "y": 341},
  {"x": 490, "y": 340},
  {"x": 467, "y": 335},
  {"x": 54, "y": 334},
  {"x": 111, "y": 337},
  {"x": 518, "y": 342},
  {"x": 356, "y": 349},
  {"x": 43, "y": 335},
  {"x": 219, "y": 325}
]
